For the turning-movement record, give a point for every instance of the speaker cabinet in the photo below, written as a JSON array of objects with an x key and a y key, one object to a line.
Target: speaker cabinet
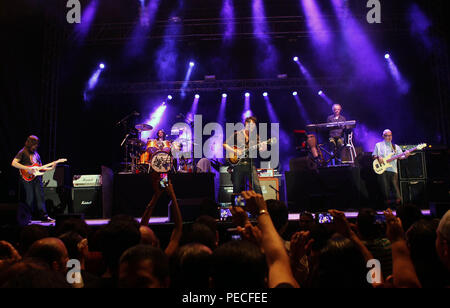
[
  {"x": 438, "y": 190},
  {"x": 58, "y": 200},
  {"x": 270, "y": 188},
  {"x": 225, "y": 193},
  {"x": 88, "y": 201},
  {"x": 414, "y": 192},
  {"x": 437, "y": 164},
  {"x": 412, "y": 168},
  {"x": 225, "y": 177}
]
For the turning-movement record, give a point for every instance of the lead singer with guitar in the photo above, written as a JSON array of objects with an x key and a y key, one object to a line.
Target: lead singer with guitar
[
  {"x": 24, "y": 160},
  {"x": 389, "y": 179},
  {"x": 246, "y": 167}
]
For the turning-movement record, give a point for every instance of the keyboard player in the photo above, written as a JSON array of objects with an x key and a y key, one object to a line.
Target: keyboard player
[{"x": 336, "y": 137}]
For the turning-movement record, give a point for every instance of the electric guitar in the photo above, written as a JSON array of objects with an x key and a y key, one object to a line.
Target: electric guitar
[
  {"x": 234, "y": 158},
  {"x": 38, "y": 170},
  {"x": 381, "y": 168}
]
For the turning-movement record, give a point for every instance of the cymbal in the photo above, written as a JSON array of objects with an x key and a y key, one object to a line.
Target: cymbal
[{"x": 143, "y": 127}]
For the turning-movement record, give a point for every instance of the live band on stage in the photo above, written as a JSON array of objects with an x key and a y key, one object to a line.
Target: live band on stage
[{"x": 163, "y": 155}]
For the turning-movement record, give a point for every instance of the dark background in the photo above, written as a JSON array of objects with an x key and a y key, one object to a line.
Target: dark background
[{"x": 45, "y": 71}]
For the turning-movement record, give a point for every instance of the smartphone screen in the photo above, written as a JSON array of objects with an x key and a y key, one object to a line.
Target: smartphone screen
[
  {"x": 325, "y": 218},
  {"x": 163, "y": 180},
  {"x": 238, "y": 200}
]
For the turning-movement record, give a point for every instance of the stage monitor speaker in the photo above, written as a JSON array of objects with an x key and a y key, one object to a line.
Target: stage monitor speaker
[
  {"x": 270, "y": 188},
  {"x": 412, "y": 168},
  {"x": 191, "y": 209},
  {"x": 326, "y": 188},
  {"x": 58, "y": 200},
  {"x": 414, "y": 192},
  {"x": 14, "y": 214},
  {"x": 438, "y": 164},
  {"x": 88, "y": 201}
]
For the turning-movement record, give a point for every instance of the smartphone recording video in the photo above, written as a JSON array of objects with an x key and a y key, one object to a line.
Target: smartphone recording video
[
  {"x": 238, "y": 200},
  {"x": 325, "y": 218}
]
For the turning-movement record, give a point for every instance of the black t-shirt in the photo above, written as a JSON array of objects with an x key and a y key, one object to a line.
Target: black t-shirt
[
  {"x": 26, "y": 159},
  {"x": 336, "y": 133}
]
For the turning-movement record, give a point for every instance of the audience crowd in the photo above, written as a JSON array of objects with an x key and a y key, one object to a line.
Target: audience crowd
[{"x": 413, "y": 251}]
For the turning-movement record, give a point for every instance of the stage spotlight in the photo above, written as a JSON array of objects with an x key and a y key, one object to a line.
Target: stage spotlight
[
  {"x": 387, "y": 56},
  {"x": 320, "y": 93},
  {"x": 295, "y": 93},
  {"x": 247, "y": 94},
  {"x": 191, "y": 64},
  {"x": 169, "y": 97},
  {"x": 265, "y": 94},
  {"x": 224, "y": 95},
  {"x": 197, "y": 96},
  {"x": 101, "y": 65},
  {"x": 295, "y": 59}
]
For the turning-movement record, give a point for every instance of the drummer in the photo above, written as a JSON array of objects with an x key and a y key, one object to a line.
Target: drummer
[{"x": 161, "y": 141}]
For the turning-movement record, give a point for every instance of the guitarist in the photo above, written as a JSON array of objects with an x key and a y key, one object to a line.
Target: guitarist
[
  {"x": 246, "y": 166},
  {"x": 388, "y": 181},
  {"x": 34, "y": 189}
]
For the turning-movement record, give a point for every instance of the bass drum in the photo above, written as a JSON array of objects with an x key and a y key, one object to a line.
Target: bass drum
[{"x": 162, "y": 162}]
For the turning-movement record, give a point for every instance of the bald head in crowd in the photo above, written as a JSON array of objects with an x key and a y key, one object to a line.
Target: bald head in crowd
[
  {"x": 51, "y": 252},
  {"x": 443, "y": 240},
  {"x": 148, "y": 237}
]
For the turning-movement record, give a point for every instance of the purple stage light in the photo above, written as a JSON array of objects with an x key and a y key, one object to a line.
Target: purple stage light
[
  {"x": 320, "y": 93},
  {"x": 197, "y": 96},
  {"x": 295, "y": 59},
  {"x": 154, "y": 120},
  {"x": 265, "y": 94},
  {"x": 101, "y": 65},
  {"x": 320, "y": 32},
  {"x": 87, "y": 17},
  {"x": 228, "y": 16},
  {"x": 191, "y": 64},
  {"x": 169, "y": 97},
  {"x": 402, "y": 85},
  {"x": 302, "y": 110},
  {"x": 247, "y": 94},
  {"x": 224, "y": 95},
  {"x": 420, "y": 26},
  {"x": 294, "y": 93},
  {"x": 364, "y": 56},
  {"x": 387, "y": 56}
]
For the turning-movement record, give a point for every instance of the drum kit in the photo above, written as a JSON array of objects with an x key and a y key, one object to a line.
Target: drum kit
[{"x": 155, "y": 155}]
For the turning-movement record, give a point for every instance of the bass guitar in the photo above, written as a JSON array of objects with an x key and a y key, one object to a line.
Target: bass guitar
[
  {"x": 380, "y": 168},
  {"x": 38, "y": 170}
]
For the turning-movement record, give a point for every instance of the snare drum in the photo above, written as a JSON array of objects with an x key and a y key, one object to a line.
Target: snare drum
[{"x": 161, "y": 162}]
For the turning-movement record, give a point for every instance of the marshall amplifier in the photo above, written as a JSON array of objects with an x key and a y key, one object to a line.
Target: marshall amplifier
[{"x": 88, "y": 201}]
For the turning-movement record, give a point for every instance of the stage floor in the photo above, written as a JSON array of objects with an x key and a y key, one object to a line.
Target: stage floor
[{"x": 163, "y": 220}]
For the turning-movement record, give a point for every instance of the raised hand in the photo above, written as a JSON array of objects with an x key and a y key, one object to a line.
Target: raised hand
[{"x": 394, "y": 228}]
